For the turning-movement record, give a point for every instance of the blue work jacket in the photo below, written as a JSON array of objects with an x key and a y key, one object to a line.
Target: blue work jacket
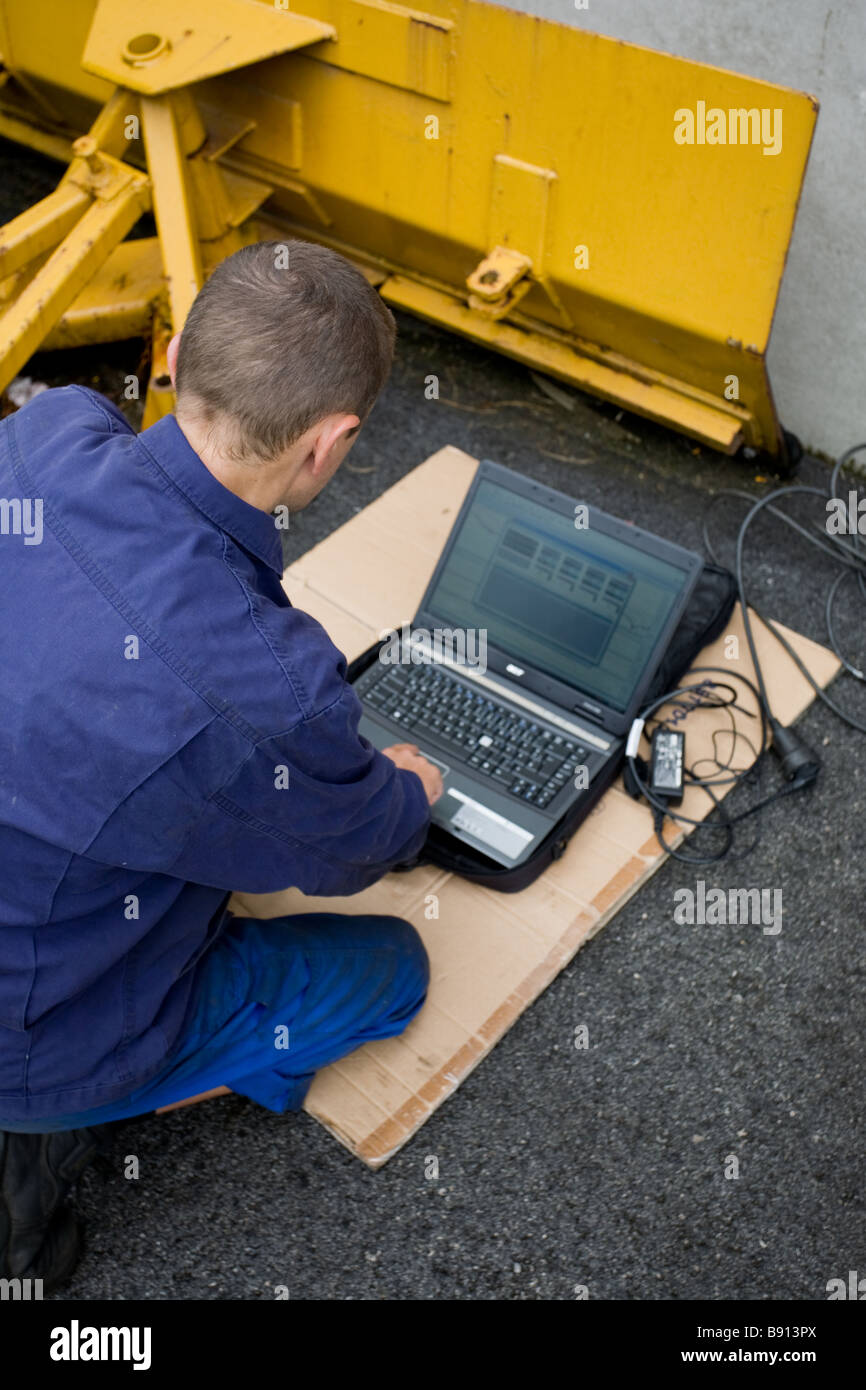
[{"x": 171, "y": 728}]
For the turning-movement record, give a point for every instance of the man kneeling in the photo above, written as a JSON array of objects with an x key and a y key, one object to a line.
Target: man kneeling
[{"x": 174, "y": 729}]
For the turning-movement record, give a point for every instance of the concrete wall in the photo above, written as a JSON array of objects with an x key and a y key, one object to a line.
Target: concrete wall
[{"x": 817, "y": 353}]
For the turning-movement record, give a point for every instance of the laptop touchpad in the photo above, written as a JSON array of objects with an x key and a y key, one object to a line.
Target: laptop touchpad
[{"x": 488, "y": 827}]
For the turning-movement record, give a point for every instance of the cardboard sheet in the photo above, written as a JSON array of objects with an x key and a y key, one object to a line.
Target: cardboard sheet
[{"x": 491, "y": 954}]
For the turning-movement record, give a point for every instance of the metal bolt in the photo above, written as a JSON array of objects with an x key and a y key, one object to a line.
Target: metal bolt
[{"x": 87, "y": 149}]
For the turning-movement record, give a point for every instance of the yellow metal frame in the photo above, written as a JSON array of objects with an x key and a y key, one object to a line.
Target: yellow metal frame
[
  {"x": 98, "y": 201},
  {"x": 523, "y": 183}
]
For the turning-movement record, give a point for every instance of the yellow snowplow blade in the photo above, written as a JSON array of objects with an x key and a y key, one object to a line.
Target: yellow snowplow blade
[{"x": 617, "y": 218}]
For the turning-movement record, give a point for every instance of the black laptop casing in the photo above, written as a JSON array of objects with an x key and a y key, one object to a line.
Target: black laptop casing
[{"x": 704, "y": 619}]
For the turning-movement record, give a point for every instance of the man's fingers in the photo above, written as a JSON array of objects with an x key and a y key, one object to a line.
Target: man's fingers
[{"x": 407, "y": 757}]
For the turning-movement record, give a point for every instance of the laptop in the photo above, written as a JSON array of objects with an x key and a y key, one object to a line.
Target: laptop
[{"x": 540, "y": 631}]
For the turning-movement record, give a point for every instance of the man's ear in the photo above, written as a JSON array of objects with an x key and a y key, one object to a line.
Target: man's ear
[
  {"x": 171, "y": 356},
  {"x": 334, "y": 430}
]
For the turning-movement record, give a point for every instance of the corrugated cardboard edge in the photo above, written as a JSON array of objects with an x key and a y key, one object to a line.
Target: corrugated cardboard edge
[{"x": 394, "y": 1132}]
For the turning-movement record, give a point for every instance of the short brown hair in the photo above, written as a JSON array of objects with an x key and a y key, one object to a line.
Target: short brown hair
[{"x": 282, "y": 335}]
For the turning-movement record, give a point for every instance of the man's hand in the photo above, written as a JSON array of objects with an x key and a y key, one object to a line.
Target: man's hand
[{"x": 406, "y": 755}]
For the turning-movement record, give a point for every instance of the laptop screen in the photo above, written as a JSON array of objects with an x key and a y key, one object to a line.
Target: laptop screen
[{"x": 576, "y": 604}]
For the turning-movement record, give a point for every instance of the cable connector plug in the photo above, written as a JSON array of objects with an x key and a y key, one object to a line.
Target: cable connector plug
[
  {"x": 630, "y": 782},
  {"x": 799, "y": 763}
]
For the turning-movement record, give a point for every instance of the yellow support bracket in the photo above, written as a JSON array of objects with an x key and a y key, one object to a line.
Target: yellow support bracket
[
  {"x": 178, "y": 42},
  {"x": 114, "y": 198},
  {"x": 40, "y": 228},
  {"x": 499, "y": 283},
  {"x": 171, "y": 204}
]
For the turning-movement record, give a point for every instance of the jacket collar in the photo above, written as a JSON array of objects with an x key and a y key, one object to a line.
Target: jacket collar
[{"x": 252, "y": 528}]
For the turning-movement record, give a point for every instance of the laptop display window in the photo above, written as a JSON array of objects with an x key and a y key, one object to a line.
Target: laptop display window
[{"x": 574, "y": 603}]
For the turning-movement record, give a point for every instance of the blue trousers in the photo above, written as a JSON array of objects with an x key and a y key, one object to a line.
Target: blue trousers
[{"x": 272, "y": 1002}]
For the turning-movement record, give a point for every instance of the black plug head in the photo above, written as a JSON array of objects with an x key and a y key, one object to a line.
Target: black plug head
[
  {"x": 799, "y": 763},
  {"x": 630, "y": 783}
]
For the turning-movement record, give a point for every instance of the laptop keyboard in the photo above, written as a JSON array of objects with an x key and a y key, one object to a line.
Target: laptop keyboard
[{"x": 524, "y": 759}]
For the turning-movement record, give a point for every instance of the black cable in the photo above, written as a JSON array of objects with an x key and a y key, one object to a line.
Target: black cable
[
  {"x": 840, "y": 464},
  {"x": 662, "y": 809},
  {"x": 798, "y": 763},
  {"x": 850, "y": 556},
  {"x": 828, "y": 614},
  {"x": 741, "y": 585}
]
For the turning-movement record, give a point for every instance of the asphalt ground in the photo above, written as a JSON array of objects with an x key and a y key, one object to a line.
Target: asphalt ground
[{"x": 559, "y": 1168}]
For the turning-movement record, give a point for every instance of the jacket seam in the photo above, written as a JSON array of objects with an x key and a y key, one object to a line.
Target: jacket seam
[
  {"x": 93, "y": 399},
  {"x": 296, "y": 685}
]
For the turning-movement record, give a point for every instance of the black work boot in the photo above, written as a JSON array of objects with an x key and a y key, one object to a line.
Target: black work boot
[{"x": 39, "y": 1237}]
